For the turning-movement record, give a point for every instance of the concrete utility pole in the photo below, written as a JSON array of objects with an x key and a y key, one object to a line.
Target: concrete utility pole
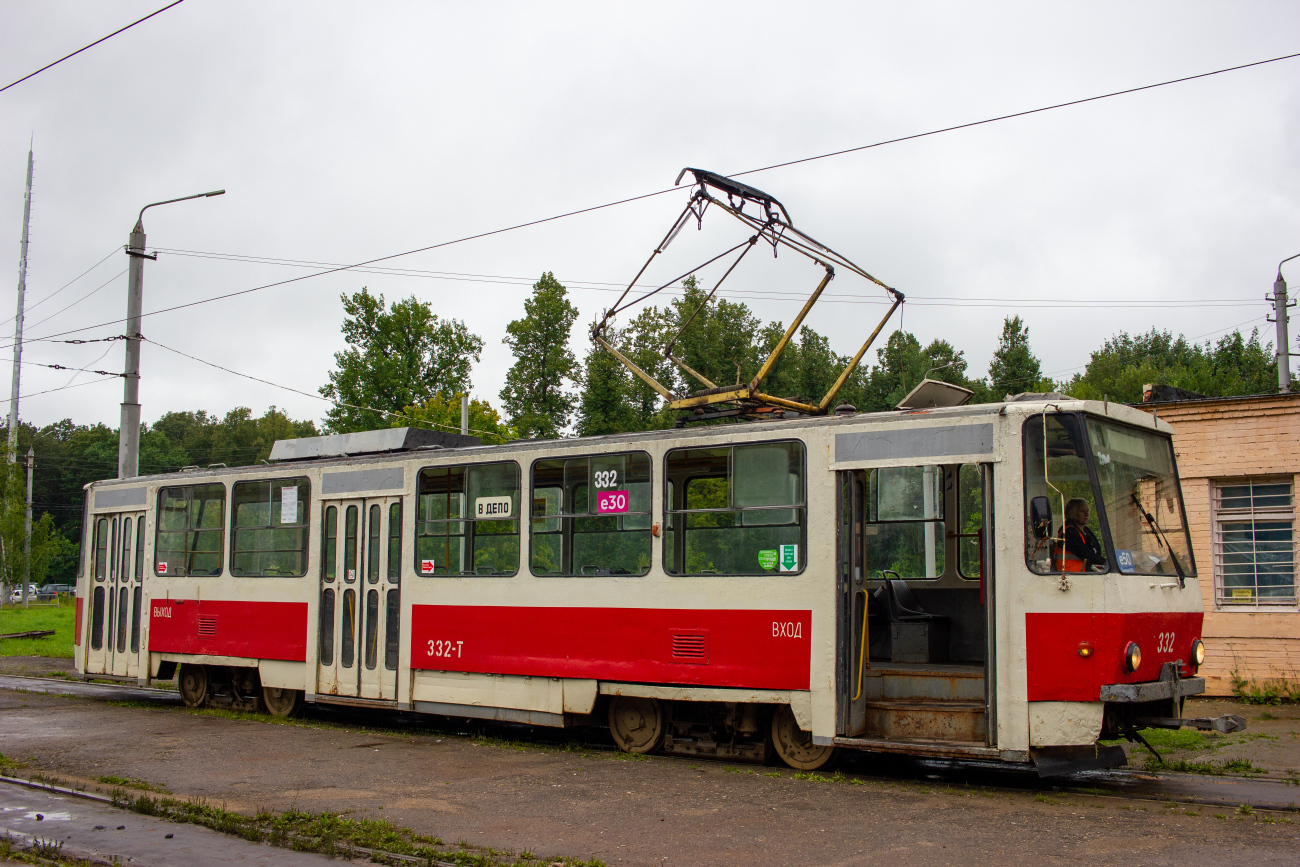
[
  {"x": 1280, "y": 316},
  {"x": 27, "y": 525},
  {"x": 18, "y": 322},
  {"x": 128, "y": 435},
  {"x": 464, "y": 415}
]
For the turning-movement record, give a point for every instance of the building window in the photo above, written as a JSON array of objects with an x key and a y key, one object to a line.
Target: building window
[{"x": 1254, "y": 542}]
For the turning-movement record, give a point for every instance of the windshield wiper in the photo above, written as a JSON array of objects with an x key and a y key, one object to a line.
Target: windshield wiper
[{"x": 1160, "y": 535}]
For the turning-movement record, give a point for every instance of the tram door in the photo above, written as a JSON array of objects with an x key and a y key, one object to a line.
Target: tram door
[
  {"x": 360, "y": 604},
  {"x": 116, "y": 594}
]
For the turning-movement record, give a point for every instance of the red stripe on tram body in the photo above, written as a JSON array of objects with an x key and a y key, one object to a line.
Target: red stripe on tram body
[
  {"x": 756, "y": 649},
  {"x": 76, "y": 623},
  {"x": 1056, "y": 672},
  {"x": 254, "y": 630}
]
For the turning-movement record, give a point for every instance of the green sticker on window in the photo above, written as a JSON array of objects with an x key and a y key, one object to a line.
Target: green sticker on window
[
  {"x": 767, "y": 559},
  {"x": 789, "y": 558}
]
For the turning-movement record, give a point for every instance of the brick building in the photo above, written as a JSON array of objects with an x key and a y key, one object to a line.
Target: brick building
[{"x": 1239, "y": 459}]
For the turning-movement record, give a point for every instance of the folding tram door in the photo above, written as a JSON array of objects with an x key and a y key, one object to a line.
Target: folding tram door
[
  {"x": 360, "y": 597},
  {"x": 116, "y": 594},
  {"x": 974, "y": 683}
]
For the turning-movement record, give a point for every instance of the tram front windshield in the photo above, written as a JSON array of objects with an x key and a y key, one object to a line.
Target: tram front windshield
[
  {"x": 1102, "y": 497},
  {"x": 1144, "y": 507}
]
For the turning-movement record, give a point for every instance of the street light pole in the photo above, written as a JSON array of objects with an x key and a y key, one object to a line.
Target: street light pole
[
  {"x": 128, "y": 435},
  {"x": 1280, "y": 316}
]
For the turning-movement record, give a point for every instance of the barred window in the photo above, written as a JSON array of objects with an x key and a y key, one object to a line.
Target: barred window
[
  {"x": 191, "y": 530},
  {"x": 269, "y": 527},
  {"x": 1254, "y": 542}
]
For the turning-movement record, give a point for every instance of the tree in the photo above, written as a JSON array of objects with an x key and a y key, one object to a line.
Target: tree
[
  {"x": 395, "y": 358},
  {"x": 20, "y": 561},
  {"x": 443, "y": 413},
  {"x": 718, "y": 338},
  {"x": 1125, "y": 363},
  {"x": 1015, "y": 368},
  {"x": 534, "y": 394},
  {"x": 605, "y": 402}
]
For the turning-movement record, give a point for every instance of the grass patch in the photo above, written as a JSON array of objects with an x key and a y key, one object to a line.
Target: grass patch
[
  {"x": 133, "y": 783},
  {"x": 1177, "y": 739},
  {"x": 621, "y": 756},
  {"x": 8, "y": 765},
  {"x": 1272, "y": 692},
  {"x": 333, "y": 835},
  {"x": 59, "y": 618},
  {"x": 1231, "y": 766},
  {"x": 811, "y": 776}
]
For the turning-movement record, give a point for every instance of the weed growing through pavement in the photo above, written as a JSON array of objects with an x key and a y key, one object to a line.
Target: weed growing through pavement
[
  {"x": 332, "y": 834},
  {"x": 811, "y": 776},
  {"x": 133, "y": 783}
]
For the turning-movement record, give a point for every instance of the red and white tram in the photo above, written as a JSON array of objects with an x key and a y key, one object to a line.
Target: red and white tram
[{"x": 897, "y": 582}]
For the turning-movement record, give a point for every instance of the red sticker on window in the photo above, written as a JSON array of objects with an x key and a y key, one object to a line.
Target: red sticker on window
[
  {"x": 426, "y": 567},
  {"x": 162, "y": 568}
]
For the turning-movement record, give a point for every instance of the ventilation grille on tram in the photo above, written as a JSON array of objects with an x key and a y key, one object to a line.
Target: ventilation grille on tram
[
  {"x": 691, "y": 647},
  {"x": 207, "y": 627}
]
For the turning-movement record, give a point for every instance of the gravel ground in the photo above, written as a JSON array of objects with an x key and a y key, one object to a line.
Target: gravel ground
[{"x": 591, "y": 804}]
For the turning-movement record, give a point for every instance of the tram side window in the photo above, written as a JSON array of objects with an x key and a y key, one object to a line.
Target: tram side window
[
  {"x": 970, "y": 519},
  {"x": 467, "y": 520},
  {"x": 101, "y": 549},
  {"x": 591, "y": 515},
  {"x": 736, "y": 510},
  {"x": 268, "y": 527},
  {"x": 191, "y": 530},
  {"x": 905, "y": 531},
  {"x": 1058, "y": 492}
]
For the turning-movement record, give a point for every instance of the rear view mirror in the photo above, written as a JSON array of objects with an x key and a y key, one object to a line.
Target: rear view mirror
[{"x": 1040, "y": 517}]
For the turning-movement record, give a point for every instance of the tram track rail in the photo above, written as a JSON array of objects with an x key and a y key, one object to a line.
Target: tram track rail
[{"x": 1253, "y": 792}]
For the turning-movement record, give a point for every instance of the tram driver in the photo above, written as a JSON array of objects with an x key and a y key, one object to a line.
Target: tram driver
[{"x": 1083, "y": 553}]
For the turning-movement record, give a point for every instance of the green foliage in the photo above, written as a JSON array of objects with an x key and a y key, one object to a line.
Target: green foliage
[
  {"x": 443, "y": 413},
  {"x": 535, "y": 394},
  {"x": 20, "y": 561},
  {"x": 605, "y": 405},
  {"x": 1267, "y": 692},
  {"x": 718, "y": 338},
  {"x": 1232, "y": 365},
  {"x": 1015, "y": 368},
  {"x": 395, "y": 358}
]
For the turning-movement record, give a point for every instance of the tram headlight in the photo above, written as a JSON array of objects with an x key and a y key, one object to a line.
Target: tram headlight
[
  {"x": 1198, "y": 653},
  {"x": 1132, "y": 657}
]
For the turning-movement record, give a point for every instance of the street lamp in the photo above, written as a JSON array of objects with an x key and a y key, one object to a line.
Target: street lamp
[
  {"x": 128, "y": 435},
  {"x": 1280, "y": 306}
]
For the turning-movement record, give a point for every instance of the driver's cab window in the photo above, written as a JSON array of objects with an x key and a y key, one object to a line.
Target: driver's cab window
[
  {"x": 905, "y": 531},
  {"x": 1062, "y": 524}
]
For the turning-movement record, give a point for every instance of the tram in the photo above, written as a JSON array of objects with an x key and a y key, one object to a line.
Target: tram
[{"x": 897, "y": 582}]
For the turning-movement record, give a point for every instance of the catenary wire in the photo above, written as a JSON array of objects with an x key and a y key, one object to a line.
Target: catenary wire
[
  {"x": 91, "y": 45},
  {"x": 644, "y": 196},
  {"x": 61, "y": 288},
  {"x": 314, "y": 396},
  {"x": 758, "y": 294}
]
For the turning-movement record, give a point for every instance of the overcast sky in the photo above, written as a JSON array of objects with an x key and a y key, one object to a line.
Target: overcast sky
[{"x": 346, "y": 132}]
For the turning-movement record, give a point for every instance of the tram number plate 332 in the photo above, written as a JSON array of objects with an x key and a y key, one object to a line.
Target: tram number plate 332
[{"x": 445, "y": 649}]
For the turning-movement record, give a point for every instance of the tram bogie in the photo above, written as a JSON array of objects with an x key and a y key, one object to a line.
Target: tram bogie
[{"x": 968, "y": 581}]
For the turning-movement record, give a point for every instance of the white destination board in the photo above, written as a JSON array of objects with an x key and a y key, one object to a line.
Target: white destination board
[{"x": 491, "y": 508}]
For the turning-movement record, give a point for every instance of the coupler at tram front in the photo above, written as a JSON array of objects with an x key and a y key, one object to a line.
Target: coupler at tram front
[{"x": 1127, "y": 709}]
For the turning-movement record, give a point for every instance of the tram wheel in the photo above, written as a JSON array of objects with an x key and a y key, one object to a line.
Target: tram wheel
[
  {"x": 637, "y": 724},
  {"x": 794, "y": 745},
  {"x": 193, "y": 684},
  {"x": 281, "y": 702}
]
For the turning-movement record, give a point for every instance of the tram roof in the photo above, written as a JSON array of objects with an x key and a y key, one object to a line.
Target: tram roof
[{"x": 782, "y": 428}]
